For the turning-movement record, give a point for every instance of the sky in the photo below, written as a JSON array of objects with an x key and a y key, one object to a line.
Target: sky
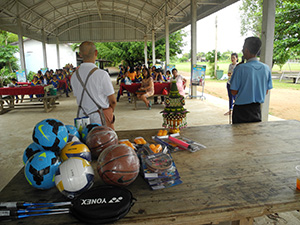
[{"x": 228, "y": 31}]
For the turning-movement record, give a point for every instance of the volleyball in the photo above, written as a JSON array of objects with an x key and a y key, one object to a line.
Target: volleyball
[
  {"x": 75, "y": 149},
  {"x": 74, "y": 176}
]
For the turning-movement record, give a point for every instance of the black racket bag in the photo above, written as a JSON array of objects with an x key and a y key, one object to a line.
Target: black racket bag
[{"x": 103, "y": 204}]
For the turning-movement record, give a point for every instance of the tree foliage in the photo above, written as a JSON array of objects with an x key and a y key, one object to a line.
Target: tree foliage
[
  {"x": 251, "y": 17},
  {"x": 287, "y": 31},
  {"x": 7, "y": 51},
  {"x": 132, "y": 52},
  {"x": 287, "y": 26},
  {"x": 210, "y": 56}
]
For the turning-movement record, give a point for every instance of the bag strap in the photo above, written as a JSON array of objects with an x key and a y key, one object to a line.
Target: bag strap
[{"x": 102, "y": 117}]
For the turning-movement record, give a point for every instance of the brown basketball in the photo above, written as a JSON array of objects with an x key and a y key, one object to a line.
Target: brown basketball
[
  {"x": 99, "y": 138},
  {"x": 118, "y": 165}
]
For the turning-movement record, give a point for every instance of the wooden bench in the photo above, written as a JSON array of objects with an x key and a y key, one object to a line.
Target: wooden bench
[
  {"x": 294, "y": 75},
  {"x": 48, "y": 103}
]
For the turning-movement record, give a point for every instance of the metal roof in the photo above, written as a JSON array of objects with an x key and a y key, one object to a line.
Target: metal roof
[{"x": 100, "y": 20}]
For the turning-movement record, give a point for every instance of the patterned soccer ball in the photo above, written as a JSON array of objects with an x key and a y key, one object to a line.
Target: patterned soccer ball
[
  {"x": 74, "y": 176},
  {"x": 30, "y": 151},
  {"x": 40, "y": 169},
  {"x": 87, "y": 129},
  {"x": 72, "y": 137},
  {"x": 76, "y": 149},
  {"x": 72, "y": 130},
  {"x": 50, "y": 134}
]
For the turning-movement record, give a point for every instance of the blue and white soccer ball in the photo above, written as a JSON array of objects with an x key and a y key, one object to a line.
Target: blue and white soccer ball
[
  {"x": 72, "y": 137},
  {"x": 41, "y": 168},
  {"x": 30, "y": 151},
  {"x": 74, "y": 176},
  {"x": 87, "y": 129},
  {"x": 73, "y": 130},
  {"x": 50, "y": 134}
]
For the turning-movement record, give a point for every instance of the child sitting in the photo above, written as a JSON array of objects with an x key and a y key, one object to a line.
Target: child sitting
[{"x": 36, "y": 81}]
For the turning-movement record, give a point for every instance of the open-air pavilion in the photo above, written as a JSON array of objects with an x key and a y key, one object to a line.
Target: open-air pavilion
[
  {"x": 70, "y": 21},
  {"x": 58, "y": 21}
]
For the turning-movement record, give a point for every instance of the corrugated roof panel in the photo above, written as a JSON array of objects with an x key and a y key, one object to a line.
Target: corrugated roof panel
[{"x": 104, "y": 20}]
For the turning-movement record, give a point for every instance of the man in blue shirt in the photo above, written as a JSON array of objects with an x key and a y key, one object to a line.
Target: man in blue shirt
[{"x": 250, "y": 83}]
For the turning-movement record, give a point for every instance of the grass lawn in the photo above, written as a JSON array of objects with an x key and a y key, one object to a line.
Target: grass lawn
[
  {"x": 288, "y": 84},
  {"x": 186, "y": 67}
]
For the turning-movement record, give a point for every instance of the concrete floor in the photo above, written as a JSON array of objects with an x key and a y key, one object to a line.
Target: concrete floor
[{"x": 17, "y": 125}]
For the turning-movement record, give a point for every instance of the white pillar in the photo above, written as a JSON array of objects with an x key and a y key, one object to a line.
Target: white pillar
[
  {"x": 193, "y": 42},
  {"x": 44, "y": 49},
  {"x": 216, "y": 46},
  {"x": 21, "y": 46},
  {"x": 145, "y": 51},
  {"x": 267, "y": 37},
  {"x": 167, "y": 40},
  {"x": 57, "y": 52},
  {"x": 153, "y": 47}
]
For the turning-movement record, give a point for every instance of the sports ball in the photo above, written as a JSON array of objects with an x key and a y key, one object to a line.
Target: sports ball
[
  {"x": 50, "y": 134},
  {"x": 72, "y": 137},
  {"x": 72, "y": 130},
  {"x": 40, "y": 169},
  {"x": 74, "y": 176},
  {"x": 118, "y": 165},
  {"x": 87, "y": 129},
  {"x": 30, "y": 151},
  {"x": 99, "y": 138},
  {"x": 76, "y": 149}
]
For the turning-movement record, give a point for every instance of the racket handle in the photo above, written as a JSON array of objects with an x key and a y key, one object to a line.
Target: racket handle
[
  {"x": 12, "y": 205},
  {"x": 8, "y": 215}
]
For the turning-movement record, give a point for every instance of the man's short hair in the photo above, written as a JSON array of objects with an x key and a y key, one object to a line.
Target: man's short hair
[
  {"x": 253, "y": 44},
  {"x": 87, "y": 49}
]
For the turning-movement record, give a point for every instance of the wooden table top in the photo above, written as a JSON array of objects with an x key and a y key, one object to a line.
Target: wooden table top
[{"x": 247, "y": 170}]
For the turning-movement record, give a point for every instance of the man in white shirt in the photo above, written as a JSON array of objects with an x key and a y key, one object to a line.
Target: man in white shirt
[{"x": 99, "y": 89}]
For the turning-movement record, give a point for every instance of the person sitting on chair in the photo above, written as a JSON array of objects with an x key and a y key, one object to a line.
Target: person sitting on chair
[{"x": 147, "y": 87}]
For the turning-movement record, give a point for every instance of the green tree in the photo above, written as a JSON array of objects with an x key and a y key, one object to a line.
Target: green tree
[
  {"x": 133, "y": 52},
  {"x": 287, "y": 26},
  {"x": 210, "y": 56},
  {"x": 287, "y": 31},
  {"x": 251, "y": 17},
  {"x": 7, "y": 51},
  {"x": 7, "y": 59}
]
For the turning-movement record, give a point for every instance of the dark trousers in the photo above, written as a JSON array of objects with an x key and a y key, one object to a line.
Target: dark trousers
[
  {"x": 230, "y": 96},
  {"x": 246, "y": 113}
]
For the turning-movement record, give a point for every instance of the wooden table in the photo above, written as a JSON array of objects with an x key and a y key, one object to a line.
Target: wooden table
[
  {"x": 8, "y": 94},
  {"x": 246, "y": 171}
]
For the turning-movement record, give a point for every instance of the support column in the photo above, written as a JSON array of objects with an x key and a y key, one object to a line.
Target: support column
[
  {"x": 267, "y": 37},
  {"x": 145, "y": 51},
  {"x": 57, "y": 52},
  {"x": 44, "y": 49},
  {"x": 153, "y": 47},
  {"x": 167, "y": 40},
  {"x": 21, "y": 46},
  {"x": 193, "y": 42}
]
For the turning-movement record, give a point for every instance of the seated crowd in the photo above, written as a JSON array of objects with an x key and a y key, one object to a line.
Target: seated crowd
[
  {"x": 147, "y": 78},
  {"x": 51, "y": 78}
]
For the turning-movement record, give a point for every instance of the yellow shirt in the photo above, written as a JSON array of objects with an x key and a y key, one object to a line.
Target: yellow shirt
[{"x": 132, "y": 75}]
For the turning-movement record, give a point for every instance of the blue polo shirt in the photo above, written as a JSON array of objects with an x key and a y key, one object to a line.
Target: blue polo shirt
[{"x": 251, "y": 80}]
